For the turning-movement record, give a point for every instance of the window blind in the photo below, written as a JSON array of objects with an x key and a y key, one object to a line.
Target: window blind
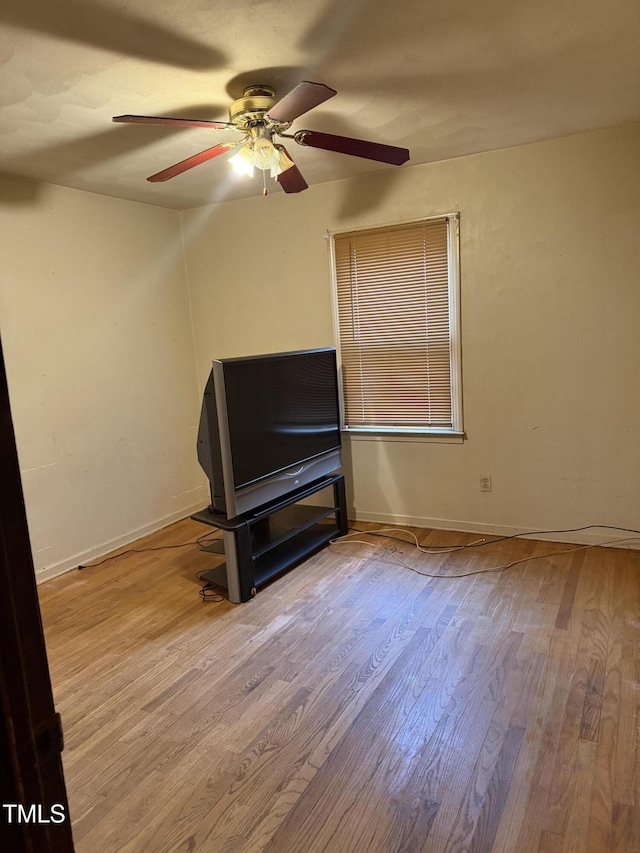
[{"x": 394, "y": 326}]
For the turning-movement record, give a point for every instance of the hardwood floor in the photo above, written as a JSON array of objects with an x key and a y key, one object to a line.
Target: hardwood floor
[{"x": 353, "y": 706}]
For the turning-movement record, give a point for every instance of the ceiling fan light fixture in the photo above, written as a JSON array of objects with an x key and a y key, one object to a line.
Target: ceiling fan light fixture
[
  {"x": 265, "y": 156},
  {"x": 261, "y": 154},
  {"x": 242, "y": 162}
]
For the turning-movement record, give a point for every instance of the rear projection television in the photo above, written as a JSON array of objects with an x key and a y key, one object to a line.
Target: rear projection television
[{"x": 269, "y": 424}]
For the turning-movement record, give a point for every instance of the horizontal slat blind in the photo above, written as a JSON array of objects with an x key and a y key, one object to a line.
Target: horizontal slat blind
[{"x": 393, "y": 310}]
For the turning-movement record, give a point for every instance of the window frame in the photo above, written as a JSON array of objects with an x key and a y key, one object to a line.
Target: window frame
[{"x": 455, "y": 433}]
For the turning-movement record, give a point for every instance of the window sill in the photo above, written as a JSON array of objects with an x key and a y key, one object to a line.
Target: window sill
[{"x": 432, "y": 436}]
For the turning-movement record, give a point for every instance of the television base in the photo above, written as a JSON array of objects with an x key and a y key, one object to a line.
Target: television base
[
  {"x": 217, "y": 576},
  {"x": 271, "y": 539},
  {"x": 214, "y": 547}
]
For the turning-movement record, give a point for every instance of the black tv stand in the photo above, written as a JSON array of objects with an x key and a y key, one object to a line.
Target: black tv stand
[{"x": 266, "y": 542}]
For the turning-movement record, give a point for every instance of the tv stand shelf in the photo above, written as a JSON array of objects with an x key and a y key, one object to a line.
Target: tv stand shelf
[{"x": 268, "y": 541}]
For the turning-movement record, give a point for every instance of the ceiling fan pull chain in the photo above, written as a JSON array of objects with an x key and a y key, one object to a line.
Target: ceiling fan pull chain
[{"x": 264, "y": 183}]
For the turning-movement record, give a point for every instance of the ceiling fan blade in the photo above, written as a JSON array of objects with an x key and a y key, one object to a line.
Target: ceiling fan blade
[
  {"x": 300, "y": 100},
  {"x": 190, "y": 162},
  {"x": 291, "y": 180},
  {"x": 356, "y": 147},
  {"x": 175, "y": 122}
]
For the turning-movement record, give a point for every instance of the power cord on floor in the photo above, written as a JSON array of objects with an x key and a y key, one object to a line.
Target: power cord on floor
[
  {"x": 437, "y": 550},
  {"x": 208, "y": 592},
  {"x": 199, "y": 542}
]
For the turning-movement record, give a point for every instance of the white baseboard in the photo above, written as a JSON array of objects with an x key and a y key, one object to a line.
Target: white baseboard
[
  {"x": 600, "y": 537},
  {"x": 597, "y": 536},
  {"x": 104, "y": 548}
]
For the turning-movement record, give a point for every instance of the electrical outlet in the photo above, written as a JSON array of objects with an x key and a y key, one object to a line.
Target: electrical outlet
[{"x": 485, "y": 483}]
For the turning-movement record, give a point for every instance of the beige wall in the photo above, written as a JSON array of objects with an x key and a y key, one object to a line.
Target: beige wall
[
  {"x": 96, "y": 331},
  {"x": 551, "y": 316}
]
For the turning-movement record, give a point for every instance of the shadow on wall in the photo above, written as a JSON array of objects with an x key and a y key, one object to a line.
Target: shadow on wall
[
  {"x": 367, "y": 193},
  {"x": 347, "y": 469},
  {"x": 15, "y": 190}
]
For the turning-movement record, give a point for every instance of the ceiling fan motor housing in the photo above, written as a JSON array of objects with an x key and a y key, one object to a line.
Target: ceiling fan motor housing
[{"x": 252, "y": 107}]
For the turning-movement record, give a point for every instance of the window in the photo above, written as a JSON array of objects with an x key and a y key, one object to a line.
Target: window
[{"x": 397, "y": 292}]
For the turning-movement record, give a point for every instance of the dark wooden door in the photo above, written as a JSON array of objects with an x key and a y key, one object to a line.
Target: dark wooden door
[{"x": 34, "y": 810}]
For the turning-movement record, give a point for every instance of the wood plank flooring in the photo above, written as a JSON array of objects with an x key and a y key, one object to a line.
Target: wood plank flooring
[{"x": 354, "y": 706}]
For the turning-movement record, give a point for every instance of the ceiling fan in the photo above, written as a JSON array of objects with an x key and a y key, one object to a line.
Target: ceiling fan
[{"x": 260, "y": 117}]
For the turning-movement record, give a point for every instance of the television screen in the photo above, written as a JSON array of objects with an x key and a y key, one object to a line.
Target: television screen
[
  {"x": 281, "y": 410},
  {"x": 269, "y": 424}
]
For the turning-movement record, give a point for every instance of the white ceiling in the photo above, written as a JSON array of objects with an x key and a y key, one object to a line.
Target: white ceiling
[{"x": 442, "y": 79}]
